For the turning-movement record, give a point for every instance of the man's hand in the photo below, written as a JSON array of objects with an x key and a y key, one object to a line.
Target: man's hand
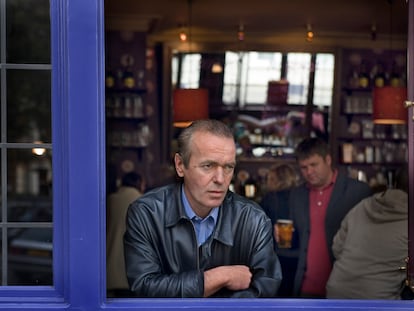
[{"x": 237, "y": 277}]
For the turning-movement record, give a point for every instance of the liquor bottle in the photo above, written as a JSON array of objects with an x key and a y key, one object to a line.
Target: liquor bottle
[
  {"x": 364, "y": 79},
  {"x": 250, "y": 188},
  {"x": 109, "y": 79},
  {"x": 354, "y": 79},
  {"x": 395, "y": 79},
  {"x": 380, "y": 79},
  {"x": 128, "y": 79}
]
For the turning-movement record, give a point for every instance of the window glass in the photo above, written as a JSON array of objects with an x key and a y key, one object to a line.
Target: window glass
[
  {"x": 190, "y": 75},
  {"x": 231, "y": 69},
  {"x": 30, "y": 256},
  {"x": 257, "y": 70},
  {"x": 28, "y": 106},
  {"x": 324, "y": 79},
  {"x": 298, "y": 71},
  {"x": 25, "y": 144},
  {"x": 29, "y": 180},
  {"x": 174, "y": 70},
  {"x": 28, "y": 42},
  {"x": 247, "y": 74}
]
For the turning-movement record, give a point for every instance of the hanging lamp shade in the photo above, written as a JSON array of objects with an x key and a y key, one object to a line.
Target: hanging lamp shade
[
  {"x": 189, "y": 105},
  {"x": 388, "y": 105}
]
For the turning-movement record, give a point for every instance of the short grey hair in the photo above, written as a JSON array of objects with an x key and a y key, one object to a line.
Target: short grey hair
[{"x": 211, "y": 126}]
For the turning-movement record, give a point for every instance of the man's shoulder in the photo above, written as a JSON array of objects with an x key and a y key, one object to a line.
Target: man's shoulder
[
  {"x": 153, "y": 197},
  {"x": 241, "y": 204},
  {"x": 354, "y": 183},
  {"x": 350, "y": 191},
  {"x": 160, "y": 191}
]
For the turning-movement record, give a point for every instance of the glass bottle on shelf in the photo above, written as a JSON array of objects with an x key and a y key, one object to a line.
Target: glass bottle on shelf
[
  {"x": 364, "y": 78},
  {"x": 379, "y": 79},
  {"x": 138, "y": 110},
  {"x": 110, "y": 80},
  {"x": 250, "y": 188},
  {"x": 128, "y": 79},
  {"x": 395, "y": 78},
  {"x": 354, "y": 79}
]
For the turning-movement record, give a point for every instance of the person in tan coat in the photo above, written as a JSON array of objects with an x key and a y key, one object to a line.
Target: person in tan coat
[{"x": 132, "y": 187}]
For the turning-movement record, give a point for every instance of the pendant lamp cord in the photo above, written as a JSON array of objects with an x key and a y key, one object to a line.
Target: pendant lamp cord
[{"x": 391, "y": 24}]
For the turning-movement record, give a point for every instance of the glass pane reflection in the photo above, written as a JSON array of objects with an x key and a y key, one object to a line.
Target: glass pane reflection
[
  {"x": 28, "y": 106},
  {"x": 28, "y": 31},
  {"x": 29, "y": 179},
  {"x": 30, "y": 256}
]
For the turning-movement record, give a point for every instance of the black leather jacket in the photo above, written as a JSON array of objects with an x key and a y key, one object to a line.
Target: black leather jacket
[{"x": 163, "y": 259}]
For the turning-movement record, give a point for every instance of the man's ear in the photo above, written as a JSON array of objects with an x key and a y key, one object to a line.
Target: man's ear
[{"x": 179, "y": 165}]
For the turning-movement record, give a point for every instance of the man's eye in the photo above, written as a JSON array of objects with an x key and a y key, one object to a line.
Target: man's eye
[
  {"x": 207, "y": 166},
  {"x": 228, "y": 168}
]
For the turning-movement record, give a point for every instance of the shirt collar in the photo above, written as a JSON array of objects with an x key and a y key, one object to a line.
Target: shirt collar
[{"x": 333, "y": 180}]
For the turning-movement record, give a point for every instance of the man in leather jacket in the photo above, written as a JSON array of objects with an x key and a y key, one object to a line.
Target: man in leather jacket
[{"x": 196, "y": 238}]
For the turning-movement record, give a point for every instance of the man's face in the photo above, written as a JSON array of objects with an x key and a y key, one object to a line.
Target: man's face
[
  {"x": 209, "y": 173},
  {"x": 316, "y": 170}
]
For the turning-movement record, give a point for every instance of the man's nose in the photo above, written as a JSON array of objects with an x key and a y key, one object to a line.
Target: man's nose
[
  {"x": 219, "y": 174},
  {"x": 307, "y": 171}
]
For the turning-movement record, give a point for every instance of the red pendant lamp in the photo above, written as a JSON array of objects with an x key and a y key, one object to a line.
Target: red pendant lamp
[
  {"x": 388, "y": 105},
  {"x": 189, "y": 105},
  {"x": 388, "y": 101}
]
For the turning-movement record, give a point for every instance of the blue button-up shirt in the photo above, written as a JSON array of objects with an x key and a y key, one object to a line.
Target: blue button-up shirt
[{"x": 204, "y": 227}]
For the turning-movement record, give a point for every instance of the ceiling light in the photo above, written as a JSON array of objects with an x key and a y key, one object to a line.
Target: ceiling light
[
  {"x": 309, "y": 33},
  {"x": 240, "y": 33},
  {"x": 37, "y": 150},
  {"x": 217, "y": 68},
  {"x": 182, "y": 34},
  {"x": 373, "y": 32}
]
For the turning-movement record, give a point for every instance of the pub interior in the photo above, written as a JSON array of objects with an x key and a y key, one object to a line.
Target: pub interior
[{"x": 276, "y": 72}]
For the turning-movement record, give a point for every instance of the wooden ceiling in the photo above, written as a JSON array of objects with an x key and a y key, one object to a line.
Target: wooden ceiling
[{"x": 264, "y": 21}]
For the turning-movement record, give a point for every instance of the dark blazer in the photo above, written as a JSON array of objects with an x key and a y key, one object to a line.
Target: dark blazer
[
  {"x": 163, "y": 259},
  {"x": 347, "y": 192}
]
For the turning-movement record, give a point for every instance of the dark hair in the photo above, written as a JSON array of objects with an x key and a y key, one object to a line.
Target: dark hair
[
  {"x": 132, "y": 179},
  {"x": 211, "y": 126},
  {"x": 311, "y": 146}
]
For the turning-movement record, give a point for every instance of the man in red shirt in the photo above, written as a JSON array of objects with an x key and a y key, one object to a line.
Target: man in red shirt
[{"x": 317, "y": 208}]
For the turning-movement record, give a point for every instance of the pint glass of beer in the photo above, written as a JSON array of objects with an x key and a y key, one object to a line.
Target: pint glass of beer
[{"x": 285, "y": 232}]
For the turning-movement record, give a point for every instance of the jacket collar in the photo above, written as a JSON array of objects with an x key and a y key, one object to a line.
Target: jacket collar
[{"x": 223, "y": 230}]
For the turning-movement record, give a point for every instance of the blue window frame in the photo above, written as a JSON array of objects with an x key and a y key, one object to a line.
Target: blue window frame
[{"x": 79, "y": 186}]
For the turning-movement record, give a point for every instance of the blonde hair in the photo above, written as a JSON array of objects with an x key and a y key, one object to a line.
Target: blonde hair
[{"x": 285, "y": 177}]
